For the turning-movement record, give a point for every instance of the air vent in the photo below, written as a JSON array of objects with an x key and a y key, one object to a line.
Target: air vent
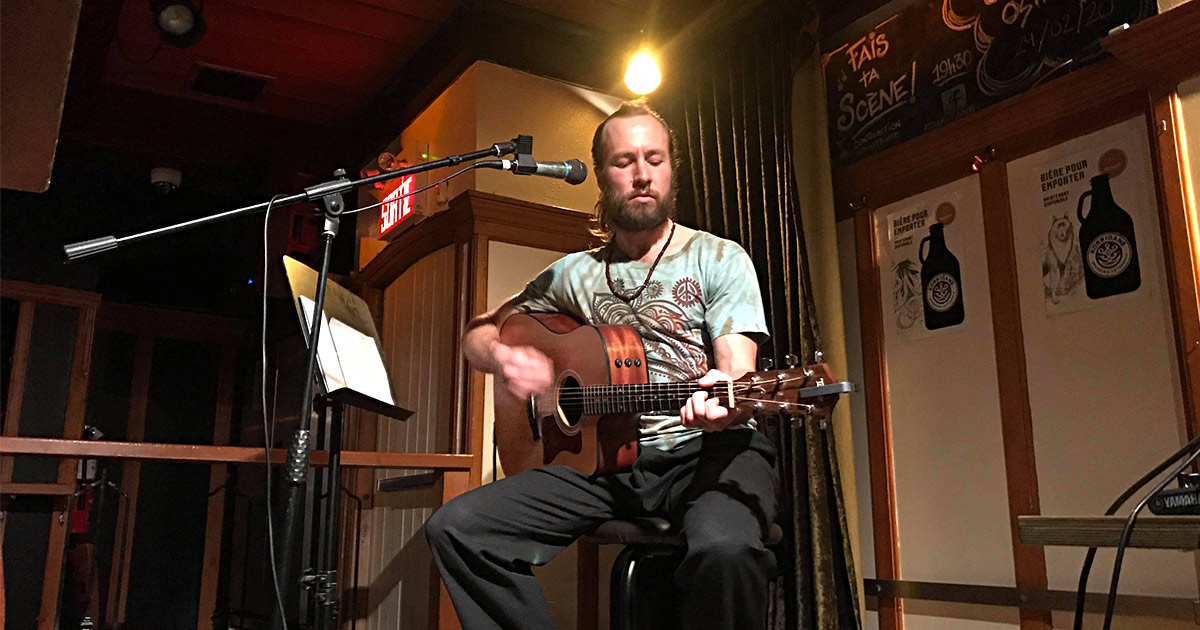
[{"x": 226, "y": 84}]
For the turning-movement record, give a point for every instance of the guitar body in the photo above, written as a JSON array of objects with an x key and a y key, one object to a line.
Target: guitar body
[{"x": 553, "y": 429}]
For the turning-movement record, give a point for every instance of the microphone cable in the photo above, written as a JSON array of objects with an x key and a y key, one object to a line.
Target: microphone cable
[
  {"x": 419, "y": 190},
  {"x": 268, "y": 428}
]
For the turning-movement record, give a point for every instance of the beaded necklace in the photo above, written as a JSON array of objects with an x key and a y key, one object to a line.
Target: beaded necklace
[{"x": 629, "y": 297}]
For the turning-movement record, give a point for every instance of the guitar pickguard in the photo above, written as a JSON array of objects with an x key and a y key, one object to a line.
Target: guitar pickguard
[
  {"x": 555, "y": 442},
  {"x": 531, "y": 409}
]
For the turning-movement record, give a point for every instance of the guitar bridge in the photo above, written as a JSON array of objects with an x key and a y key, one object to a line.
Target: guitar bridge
[{"x": 534, "y": 429}]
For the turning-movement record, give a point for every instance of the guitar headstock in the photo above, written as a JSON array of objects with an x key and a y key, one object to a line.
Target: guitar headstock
[{"x": 783, "y": 391}]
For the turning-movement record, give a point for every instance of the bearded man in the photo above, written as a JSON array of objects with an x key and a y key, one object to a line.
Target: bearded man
[{"x": 694, "y": 299}]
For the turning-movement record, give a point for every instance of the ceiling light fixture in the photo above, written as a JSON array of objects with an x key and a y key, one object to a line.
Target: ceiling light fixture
[
  {"x": 179, "y": 23},
  {"x": 643, "y": 76}
]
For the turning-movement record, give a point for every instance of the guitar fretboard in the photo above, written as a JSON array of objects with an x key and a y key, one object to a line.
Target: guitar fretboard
[{"x": 639, "y": 398}]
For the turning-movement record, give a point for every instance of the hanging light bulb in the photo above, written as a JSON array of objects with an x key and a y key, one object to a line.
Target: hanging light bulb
[{"x": 642, "y": 76}]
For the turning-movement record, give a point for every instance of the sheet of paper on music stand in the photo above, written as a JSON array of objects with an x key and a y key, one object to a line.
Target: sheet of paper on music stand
[
  {"x": 362, "y": 365},
  {"x": 327, "y": 354}
]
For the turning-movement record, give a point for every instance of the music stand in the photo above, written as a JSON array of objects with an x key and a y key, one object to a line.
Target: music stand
[{"x": 346, "y": 309}]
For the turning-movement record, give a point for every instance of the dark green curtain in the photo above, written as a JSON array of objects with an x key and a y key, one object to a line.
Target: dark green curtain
[{"x": 730, "y": 106}]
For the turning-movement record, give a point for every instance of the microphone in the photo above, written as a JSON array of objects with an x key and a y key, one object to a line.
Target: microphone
[{"x": 571, "y": 171}]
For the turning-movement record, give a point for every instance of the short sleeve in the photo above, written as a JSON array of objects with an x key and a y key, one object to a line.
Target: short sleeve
[
  {"x": 542, "y": 293},
  {"x": 734, "y": 301}
]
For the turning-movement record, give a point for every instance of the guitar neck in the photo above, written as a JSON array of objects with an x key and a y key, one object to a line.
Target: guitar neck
[{"x": 640, "y": 398}]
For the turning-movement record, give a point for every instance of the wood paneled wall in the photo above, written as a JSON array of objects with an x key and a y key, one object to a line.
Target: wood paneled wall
[{"x": 418, "y": 336}]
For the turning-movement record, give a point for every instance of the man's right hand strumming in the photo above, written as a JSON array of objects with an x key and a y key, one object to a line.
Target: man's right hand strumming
[{"x": 524, "y": 370}]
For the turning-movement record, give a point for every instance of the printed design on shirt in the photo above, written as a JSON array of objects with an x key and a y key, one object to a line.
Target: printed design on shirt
[
  {"x": 686, "y": 292},
  {"x": 653, "y": 289},
  {"x": 663, "y": 327}
]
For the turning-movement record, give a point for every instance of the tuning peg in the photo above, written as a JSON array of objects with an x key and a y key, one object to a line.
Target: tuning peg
[
  {"x": 818, "y": 357},
  {"x": 766, "y": 363},
  {"x": 791, "y": 360}
]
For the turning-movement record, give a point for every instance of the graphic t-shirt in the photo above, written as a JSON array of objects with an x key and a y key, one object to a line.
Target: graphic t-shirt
[{"x": 703, "y": 291}]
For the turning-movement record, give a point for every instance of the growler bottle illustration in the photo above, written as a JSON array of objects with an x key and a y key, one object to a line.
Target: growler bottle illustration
[
  {"x": 1107, "y": 244},
  {"x": 941, "y": 281}
]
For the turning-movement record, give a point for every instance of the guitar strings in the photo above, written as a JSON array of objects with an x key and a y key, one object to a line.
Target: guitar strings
[
  {"x": 677, "y": 390},
  {"x": 657, "y": 390},
  {"x": 691, "y": 385}
]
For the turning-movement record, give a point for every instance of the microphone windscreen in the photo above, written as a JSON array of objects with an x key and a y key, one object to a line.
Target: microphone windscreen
[{"x": 578, "y": 172}]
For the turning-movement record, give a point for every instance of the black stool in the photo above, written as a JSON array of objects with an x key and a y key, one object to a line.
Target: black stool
[{"x": 652, "y": 552}]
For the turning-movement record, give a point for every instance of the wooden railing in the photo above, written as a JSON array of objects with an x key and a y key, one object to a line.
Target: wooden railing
[{"x": 455, "y": 469}]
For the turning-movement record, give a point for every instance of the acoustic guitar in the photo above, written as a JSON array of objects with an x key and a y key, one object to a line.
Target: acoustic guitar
[{"x": 589, "y": 418}]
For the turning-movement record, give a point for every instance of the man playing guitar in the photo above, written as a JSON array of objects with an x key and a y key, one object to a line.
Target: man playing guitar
[{"x": 694, "y": 300}]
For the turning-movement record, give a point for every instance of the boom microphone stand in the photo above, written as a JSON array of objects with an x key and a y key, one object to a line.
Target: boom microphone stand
[{"x": 330, "y": 195}]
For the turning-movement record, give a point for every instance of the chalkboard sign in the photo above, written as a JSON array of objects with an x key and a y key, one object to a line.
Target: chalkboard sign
[{"x": 938, "y": 61}]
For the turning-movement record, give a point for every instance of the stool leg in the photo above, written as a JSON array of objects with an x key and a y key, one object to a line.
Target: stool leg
[
  {"x": 622, "y": 595},
  {"x": 587, "y": 583}
]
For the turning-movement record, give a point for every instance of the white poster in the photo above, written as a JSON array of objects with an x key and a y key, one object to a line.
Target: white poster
[
  {"x": 1085, "y": 200},
  {"x": 921, "y": 264}
]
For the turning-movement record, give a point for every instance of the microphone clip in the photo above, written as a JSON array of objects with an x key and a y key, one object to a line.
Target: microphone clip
[{"x": 524, "y": 164}]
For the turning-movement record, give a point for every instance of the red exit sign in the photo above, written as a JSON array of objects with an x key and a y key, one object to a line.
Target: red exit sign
[{"x": 397, "y": 205}]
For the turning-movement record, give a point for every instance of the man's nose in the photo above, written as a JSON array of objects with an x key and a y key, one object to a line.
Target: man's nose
[{"x": 641, "y": 172}]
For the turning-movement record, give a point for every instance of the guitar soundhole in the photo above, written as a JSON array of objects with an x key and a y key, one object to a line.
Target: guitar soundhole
[{"x": 570, "y": 401}]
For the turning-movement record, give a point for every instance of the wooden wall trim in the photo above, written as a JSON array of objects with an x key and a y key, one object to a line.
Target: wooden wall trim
[
  {"x": 156, "y": 451},
  {"x": 464, "y": 279},
  {"x": 40, "y": 489},
  {"x": 1160, "y": 51},
  {"x": 214, "y": 520},
  {"x": 56, "y": 546},
  {"x": 56, "y": 549},
  {"x": 478, "y": 382},
  {"x": 1177, "y": 218},
  {"x": 587, "y": 581},
  {"x": 879, "y": 429},
  {"x": 16, "y": 382},
  {"x": 453, "y": 484},
  {"x": 135, "y": 430},
  {"x": 1016, "y": 418},
  {"x": 530, "y": 224},
  {"x": 81, "y": 368},
  {"x": 1041, "y": 600},
  {"x": 30, "y": 292}
]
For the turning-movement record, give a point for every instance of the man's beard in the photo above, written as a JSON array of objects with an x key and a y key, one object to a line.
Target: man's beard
[{"x": 628, "y": 215}]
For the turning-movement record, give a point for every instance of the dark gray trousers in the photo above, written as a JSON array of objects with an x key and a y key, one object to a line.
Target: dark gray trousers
[{"x": 720, "y": 490}]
